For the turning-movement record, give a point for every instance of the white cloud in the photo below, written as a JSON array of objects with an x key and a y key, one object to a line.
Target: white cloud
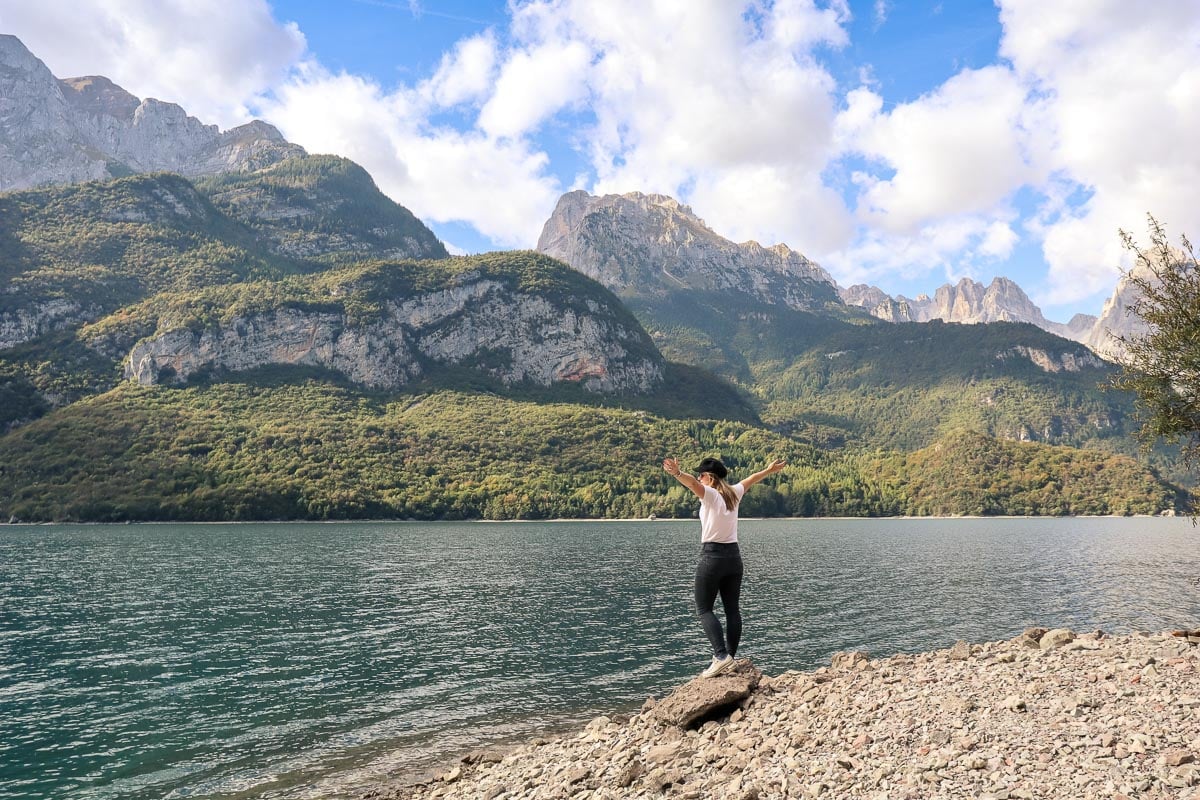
[
  {"x": 533, "y": 85},
  {"x": 1120, "y": 84},
  {"x": 768, "y": 204},
  {"x": 800, "y": 24},
  {"x": 210, "y": 62},
  {"x": 465, "y": 74},
  {"x": 998, "y": 241},
  {"x": 440, "y": 174},
  {"x": 727, "y": 112},
  {"x": 958, "y": 150},
  {"x": 863, "y": 109},
  {"x": 881, "y": 12},
  {"x": 953, "y": 247}
]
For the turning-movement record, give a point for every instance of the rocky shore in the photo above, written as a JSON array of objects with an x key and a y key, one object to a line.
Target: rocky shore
[{"x": 1048, "y": 714}]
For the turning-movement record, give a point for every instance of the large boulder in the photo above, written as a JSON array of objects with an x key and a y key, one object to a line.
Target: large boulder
[{"x": 703, "y": 698}]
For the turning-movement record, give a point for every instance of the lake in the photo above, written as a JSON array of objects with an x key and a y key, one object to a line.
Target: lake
[{"x": 305, "y": 660}]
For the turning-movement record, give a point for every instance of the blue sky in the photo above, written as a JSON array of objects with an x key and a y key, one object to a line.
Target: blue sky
[{"x": 901, "y": 144}]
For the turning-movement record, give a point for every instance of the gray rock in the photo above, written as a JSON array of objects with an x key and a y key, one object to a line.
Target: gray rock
[
  {"x": 1014, "y": 703},
  {"x": 39, "y": 318},
  {"x": 966, "y": 302},
  {"x": 543, "y": 343},
  {"x": 961, "y": 651},
  {"x": 88, "y": 128},
  {"x": 643, "y": 244},
  {"x": 851, "y": 659},
  {"x": 633, "y": 771},
  {"x": 700, "y": 697},
  {"x": 664, "y": 753},
  {"x": 1116, "y": 318},
  {"x": 1056, "y": 638}
]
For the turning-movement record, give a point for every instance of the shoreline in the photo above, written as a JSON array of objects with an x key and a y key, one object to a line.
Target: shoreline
[
  {"x": 579, "y": 520},
  {"x": 1045, "y": 714}
]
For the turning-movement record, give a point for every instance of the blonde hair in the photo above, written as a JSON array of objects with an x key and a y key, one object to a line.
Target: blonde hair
[{"x": 726, "y": 491}]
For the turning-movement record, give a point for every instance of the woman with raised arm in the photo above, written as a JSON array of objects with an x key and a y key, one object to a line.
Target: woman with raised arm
[{"x": 720, "y": 568}]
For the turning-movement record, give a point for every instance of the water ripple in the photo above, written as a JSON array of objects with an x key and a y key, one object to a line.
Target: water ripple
[{"x": 300, "y": 661}]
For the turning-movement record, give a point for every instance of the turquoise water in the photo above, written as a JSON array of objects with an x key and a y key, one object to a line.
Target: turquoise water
[{"x": 305, "y": 660}]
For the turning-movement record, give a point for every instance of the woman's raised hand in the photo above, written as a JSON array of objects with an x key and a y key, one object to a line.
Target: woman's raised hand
[
  {"x": 671, "y": 465},
  {"x": 777, "y": 465}
]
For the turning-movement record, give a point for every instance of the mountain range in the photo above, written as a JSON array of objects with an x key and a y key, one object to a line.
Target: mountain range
[
  {"x": 639, "y": 245},
  {"x": 55, "y": 131},
  {"x": 207, "y": 325},
  {"x": 971, "y": 302},
  {"x": 60, "y": 131}
]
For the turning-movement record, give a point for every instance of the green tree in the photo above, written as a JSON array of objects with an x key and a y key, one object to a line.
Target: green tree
[{"x": 1162, "y": 363}]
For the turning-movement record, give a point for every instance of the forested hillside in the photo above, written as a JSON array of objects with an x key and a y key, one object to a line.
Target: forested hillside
[
  {"x": 875, "y": 419},
  {"x": 292, "y": 446}
]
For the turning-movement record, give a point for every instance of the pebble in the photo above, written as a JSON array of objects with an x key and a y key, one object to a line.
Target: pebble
[{"x": 1085, "y": 716}]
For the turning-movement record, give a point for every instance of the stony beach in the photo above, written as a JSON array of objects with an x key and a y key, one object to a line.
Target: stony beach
[{"x": 1048, "y": 714}]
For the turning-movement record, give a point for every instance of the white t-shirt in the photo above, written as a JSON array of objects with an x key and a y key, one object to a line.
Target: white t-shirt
[{"x": 717, "y": 523}]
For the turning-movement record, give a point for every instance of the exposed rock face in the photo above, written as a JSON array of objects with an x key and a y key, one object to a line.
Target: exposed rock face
[
  {"x": 512, "y": 336},
  {"x": 23, "y": 324},
  {"x": 88, "y": 128},
  {"x": 1062, "y": 361},
  {"x": 639, "y": 244},
  {"x": 1081, "y": 326},
  {"x": 966, "y": 302},
  {"x": 971, "y": 302},
  {"x": 1117, "y": 319},
  {"x": 878, "y": 303}
]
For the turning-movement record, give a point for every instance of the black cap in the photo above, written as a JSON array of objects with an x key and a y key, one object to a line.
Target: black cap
[{"x": 714, "y": 466}]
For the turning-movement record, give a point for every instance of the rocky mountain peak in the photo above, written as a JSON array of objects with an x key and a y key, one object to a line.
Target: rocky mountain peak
[
  {"x": 638, "y": 244},
  {"x": 661, "y": 200},
  {"x": 1081, "y": 325},
  {"x": 256, "y": 129},
  {"x": 64, "y": 131},
  {"x": 15, "y": 55},
  {"x": 95, "y": 95},
  {"x": 1117, "y": 318},
  {"x": 967, "y": 301}
]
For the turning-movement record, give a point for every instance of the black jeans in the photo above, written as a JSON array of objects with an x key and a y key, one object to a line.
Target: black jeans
[{"x": 720, "y": 572}]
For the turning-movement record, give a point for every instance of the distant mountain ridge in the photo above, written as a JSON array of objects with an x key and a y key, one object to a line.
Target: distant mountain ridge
[
  {"x": 968, "y": 302},
  {"x": 63, "y": 131},
  {"x": 820, "y": 367},
  {"x": 644, "y": 244}
]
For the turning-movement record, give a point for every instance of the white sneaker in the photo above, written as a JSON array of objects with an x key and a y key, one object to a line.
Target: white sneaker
[{"x": 717, "y": 666}]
